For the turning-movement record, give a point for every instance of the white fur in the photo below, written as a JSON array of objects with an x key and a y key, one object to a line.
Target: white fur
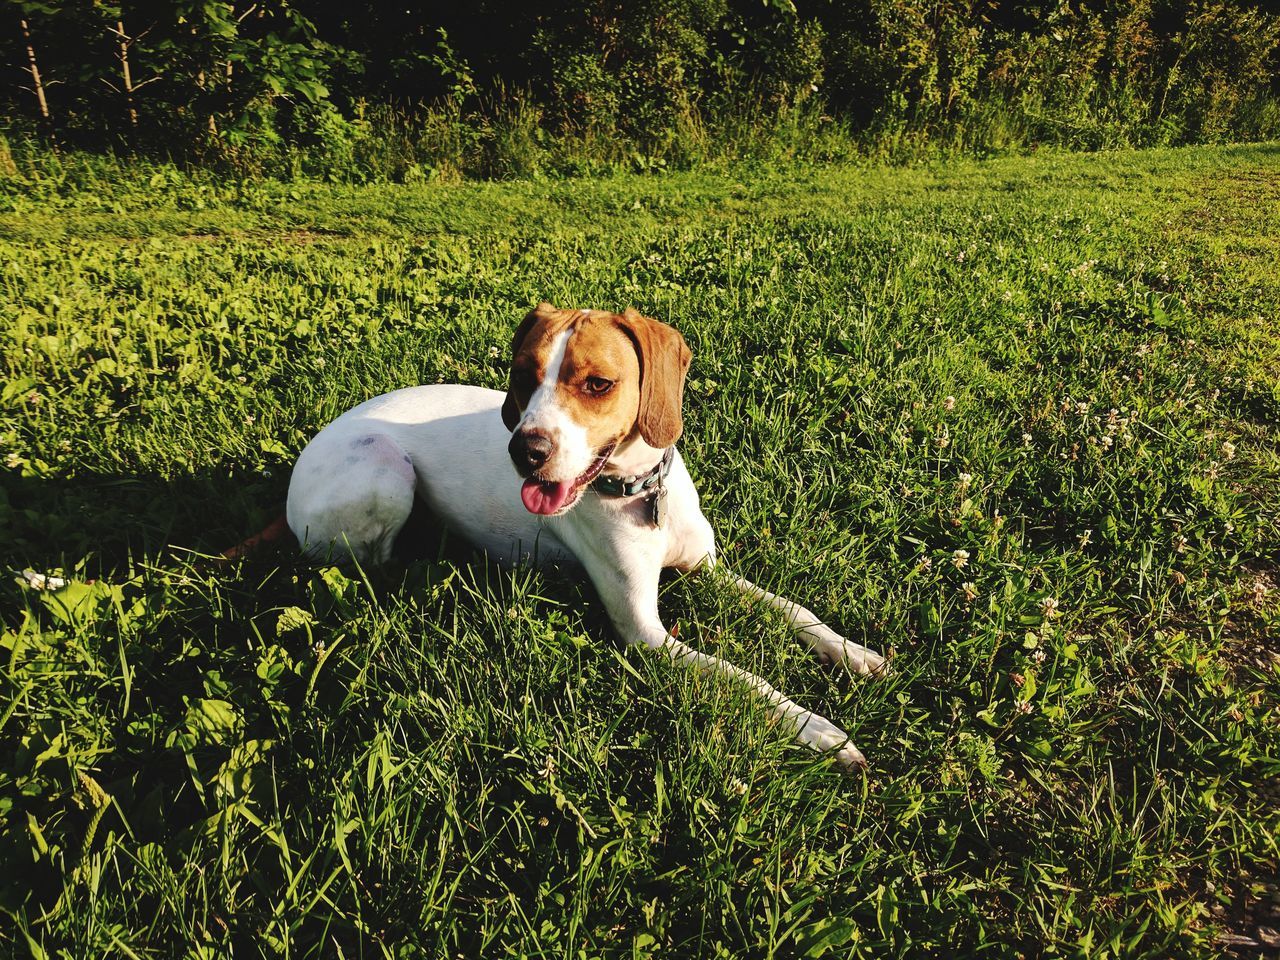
[
  {"x": 347, "y": 494},
  {"x": 546, "y": 414}
]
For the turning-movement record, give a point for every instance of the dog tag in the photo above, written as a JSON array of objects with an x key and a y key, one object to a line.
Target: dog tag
[{"x": 658, "y": 508}]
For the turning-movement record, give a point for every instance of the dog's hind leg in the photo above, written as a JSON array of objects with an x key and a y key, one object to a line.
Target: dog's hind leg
[{"x": 349, "y": 496}]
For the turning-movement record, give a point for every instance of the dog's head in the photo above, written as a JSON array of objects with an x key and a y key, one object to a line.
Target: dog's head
[{"x": 585, "y": 383}]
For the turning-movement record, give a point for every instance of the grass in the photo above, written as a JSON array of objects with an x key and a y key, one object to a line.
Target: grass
[{"x": 1014, "y": 421}]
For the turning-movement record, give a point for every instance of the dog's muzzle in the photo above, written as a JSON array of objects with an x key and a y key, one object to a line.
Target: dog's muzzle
[{"x": 529, "y": 450}]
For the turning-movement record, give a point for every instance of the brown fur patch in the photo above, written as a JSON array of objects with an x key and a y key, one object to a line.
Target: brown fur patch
[
  {"x": 644, "y": 359},
  {"x": 664, "y": 362}
]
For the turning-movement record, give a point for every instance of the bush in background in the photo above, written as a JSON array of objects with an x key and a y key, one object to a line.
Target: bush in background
[{"x": 369, "y": 90}]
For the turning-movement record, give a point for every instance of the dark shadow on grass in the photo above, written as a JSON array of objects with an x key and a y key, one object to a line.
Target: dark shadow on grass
[
  {"x": 210, "y": 634},
  {"x": 97, "y": 525},
  {"x": 103, "y": 523}
]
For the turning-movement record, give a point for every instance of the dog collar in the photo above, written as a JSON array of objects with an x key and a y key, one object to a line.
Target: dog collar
[{"x": 630, "y": 486}]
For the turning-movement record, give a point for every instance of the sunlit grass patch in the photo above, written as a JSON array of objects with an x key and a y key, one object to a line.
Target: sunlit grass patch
[{"x": 1015, "y": 422}]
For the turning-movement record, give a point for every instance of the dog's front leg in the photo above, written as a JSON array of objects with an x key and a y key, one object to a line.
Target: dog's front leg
[
  {"x": 829, "y": 646},
  {"x": 631, "y": 598}
]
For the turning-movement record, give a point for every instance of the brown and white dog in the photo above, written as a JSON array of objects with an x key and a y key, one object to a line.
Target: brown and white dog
[{"x": 590, "y": 422}]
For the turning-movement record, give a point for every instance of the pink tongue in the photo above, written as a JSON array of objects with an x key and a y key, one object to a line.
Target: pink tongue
[{"x": 544, "y": 497}]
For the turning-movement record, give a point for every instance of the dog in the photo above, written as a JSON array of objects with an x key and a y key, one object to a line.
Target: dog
[{"x": 589, "y": 422}]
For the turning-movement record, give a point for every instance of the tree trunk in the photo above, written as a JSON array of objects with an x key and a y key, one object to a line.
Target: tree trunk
[
  {"x": 35, "y": 74},
  {"x": 211, "y": 124},
  {"x": 124, "y": 72}
]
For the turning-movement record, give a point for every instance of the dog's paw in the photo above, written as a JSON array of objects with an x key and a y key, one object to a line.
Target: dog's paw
[
  {"x": 835, "y": 651},
  {"x": 824, "y": 736},
  {"x": 858, "y": 659},
  {"x": 850, "y": 759}
]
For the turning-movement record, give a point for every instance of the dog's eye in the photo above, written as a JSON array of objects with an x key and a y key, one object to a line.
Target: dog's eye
[
  {"x": 522, "y": 379},
  {"x": 597, "y": 386}
]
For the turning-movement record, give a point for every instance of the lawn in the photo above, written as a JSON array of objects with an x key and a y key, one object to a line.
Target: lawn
[{"x": 1015, "y": 421}]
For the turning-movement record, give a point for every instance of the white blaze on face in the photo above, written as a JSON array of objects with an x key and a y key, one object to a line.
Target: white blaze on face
[{"x": 571, "y": 454}]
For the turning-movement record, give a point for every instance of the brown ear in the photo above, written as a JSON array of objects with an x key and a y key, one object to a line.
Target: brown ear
[
  {"x": 664, "y": 361},
  {"x": 510, "y": 408}
]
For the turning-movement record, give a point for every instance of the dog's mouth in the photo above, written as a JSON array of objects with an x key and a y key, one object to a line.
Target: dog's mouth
[{"x": 550, "y": 497}]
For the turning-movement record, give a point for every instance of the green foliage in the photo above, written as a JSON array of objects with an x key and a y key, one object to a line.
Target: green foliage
[
  {"x": 210, "y": 74},
  {"x": 1015, "y": 421},
  {"x": 368, "y": 91}
]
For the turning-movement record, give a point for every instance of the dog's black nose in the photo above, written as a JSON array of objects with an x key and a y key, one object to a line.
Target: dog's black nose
[{"x": 529, "y": 449}]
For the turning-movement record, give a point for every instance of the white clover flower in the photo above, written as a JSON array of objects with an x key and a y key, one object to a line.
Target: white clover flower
[
  {"x": 1049, "y": 607},
  {"x": 42, "y": 581},
  {"x": 1228, "y": 449},
  {"x": 960, "y": 558},
  {"x": 1259, "y": 591},
  {"x": 949, "y": 403}
]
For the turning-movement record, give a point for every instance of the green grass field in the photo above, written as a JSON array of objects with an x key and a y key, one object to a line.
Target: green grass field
[{"x": 1014, "y": 421}]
